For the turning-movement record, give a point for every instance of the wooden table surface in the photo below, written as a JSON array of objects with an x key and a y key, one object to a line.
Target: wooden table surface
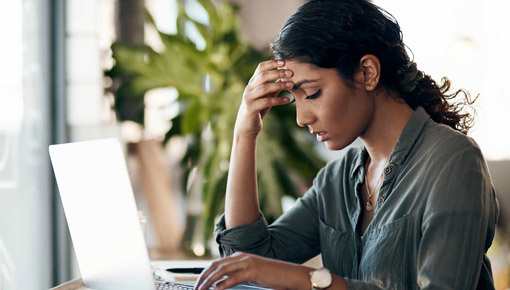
[{"x": 72, "y": 285}]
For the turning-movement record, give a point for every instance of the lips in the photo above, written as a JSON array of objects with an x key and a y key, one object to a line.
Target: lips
[{"x": 320, "y": 135}]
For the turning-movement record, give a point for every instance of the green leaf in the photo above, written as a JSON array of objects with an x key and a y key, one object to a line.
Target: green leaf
[
  {"x": 194, "y": 117},
  {"x": 211, "y": 83}
]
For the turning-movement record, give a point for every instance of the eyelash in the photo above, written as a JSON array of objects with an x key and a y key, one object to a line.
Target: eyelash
[
  {"x": 310, "y": 97},
  {"x": 314, "y": 96}
]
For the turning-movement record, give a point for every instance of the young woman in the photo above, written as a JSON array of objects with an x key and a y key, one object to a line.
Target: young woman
[{"x": 413, "y": 208}]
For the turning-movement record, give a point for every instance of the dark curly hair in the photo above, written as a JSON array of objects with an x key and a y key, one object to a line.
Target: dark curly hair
[{"x": 338, "y": 33}]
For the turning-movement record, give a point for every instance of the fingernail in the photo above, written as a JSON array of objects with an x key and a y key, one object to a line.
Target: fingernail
[
  {"x": 286, "y": 100},
  {"x": 288, "y": 73},
  {"x": 289, "y": 84},
  {"x": 280, "y": 62}
]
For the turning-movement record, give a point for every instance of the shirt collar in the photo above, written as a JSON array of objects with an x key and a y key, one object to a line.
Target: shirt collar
[
  {"x": 409, "y": 136},
  {"x": 405, "y": 142},
  {"x": 359, "y": 160}
]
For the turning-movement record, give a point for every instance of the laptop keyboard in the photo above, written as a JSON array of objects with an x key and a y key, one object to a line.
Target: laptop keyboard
[{"x": 172, "y": 286}]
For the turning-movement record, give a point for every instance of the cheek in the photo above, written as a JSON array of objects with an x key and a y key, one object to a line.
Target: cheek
[
  {"x": 345, "y": 110},
  {"x": 350, "y": 121},
  {"x": 359, "y": 116}
]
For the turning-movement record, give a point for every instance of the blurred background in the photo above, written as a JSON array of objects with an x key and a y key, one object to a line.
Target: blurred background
[{"x": 165, "y": 77}]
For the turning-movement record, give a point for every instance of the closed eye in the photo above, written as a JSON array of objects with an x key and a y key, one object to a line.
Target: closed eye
[{"x": 314, "y": 96}]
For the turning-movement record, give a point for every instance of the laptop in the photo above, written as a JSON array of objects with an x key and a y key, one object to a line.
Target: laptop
[{"x": 102, "y": 217}]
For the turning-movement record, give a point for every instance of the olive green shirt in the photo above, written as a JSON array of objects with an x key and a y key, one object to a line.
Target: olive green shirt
[{"x": 433, "y": 222}]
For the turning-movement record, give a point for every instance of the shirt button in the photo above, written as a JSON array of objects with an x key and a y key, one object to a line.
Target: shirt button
[
  {"x": 387, "y": 170},
  {"x": 381, "y": 199}
]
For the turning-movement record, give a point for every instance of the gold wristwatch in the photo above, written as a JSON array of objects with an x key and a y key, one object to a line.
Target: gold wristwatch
[{"x": 320, "y": 279}]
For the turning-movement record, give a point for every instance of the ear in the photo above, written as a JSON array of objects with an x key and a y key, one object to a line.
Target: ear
[{"x": 369, "y": 72}]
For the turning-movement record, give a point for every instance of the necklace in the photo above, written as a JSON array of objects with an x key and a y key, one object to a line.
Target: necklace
[{"x": 368, "y": 205}]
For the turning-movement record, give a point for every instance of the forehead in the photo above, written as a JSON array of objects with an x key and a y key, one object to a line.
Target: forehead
[
  {"x": 301, "y": 67},
  {"x": 303, "y": 70}
]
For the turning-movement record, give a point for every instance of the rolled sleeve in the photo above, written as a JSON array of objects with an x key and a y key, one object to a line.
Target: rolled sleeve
[
  {"x": 293, "y": 237},
  {"x": 246, "y": 238}
]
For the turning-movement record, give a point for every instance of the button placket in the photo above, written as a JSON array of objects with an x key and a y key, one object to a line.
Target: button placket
[{"x": 389, "y": 172}]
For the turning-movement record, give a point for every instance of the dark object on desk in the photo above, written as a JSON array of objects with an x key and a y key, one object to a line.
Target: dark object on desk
[{"x": 185, "y": 270}]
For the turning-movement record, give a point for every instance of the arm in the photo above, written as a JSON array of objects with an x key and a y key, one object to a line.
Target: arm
[
  {"x": 458, "y": 224},
  {"x": 241, "y": 201},
  {"x": 294, "y": 237},
  {"x": 241, "y": 267}
]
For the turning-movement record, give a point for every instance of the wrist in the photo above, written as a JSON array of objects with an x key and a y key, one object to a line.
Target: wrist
[
  {"x": 302, "y": 280},
  {"x": 242, "y": 136}
]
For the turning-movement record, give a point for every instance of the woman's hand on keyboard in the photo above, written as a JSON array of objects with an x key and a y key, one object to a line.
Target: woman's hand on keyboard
[{"x": 246, "y": 268}]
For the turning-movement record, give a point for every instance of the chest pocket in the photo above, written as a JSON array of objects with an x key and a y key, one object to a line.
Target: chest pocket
[
  {"x": 385, "y": 255},
  {"x": 334, "y": 249}
]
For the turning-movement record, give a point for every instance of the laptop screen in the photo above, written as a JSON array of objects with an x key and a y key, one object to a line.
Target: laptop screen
[{"x": 101, "y": 214}]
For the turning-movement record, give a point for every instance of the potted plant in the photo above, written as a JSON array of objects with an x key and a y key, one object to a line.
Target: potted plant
[{"x": 210, "y": 82}]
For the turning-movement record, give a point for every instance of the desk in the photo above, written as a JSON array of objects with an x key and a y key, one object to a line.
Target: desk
[
  {"x": 72, "y": 285},
  {"x": 158, "y": 267}
]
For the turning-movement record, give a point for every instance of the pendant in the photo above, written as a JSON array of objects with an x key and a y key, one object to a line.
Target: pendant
[{"x": 369, "y": 206}]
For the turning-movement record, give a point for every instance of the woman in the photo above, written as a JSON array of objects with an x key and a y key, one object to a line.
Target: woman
[{"x": 413, "y": 208}]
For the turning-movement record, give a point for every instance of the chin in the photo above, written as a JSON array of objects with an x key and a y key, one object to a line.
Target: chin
[{"x": 335, "y": 146}]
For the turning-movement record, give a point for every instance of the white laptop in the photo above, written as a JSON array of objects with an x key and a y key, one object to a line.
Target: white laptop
[{"x": 101, "y": 213}]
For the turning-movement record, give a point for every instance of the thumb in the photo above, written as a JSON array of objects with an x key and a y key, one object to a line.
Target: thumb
[{"x": 264, "y": 112}]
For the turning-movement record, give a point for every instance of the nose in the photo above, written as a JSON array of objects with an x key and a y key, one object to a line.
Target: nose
[{"x": 304, "y": 116}]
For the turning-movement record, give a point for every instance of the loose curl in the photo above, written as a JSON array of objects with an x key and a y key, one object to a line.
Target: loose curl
[{"x": 338, "y": 33}]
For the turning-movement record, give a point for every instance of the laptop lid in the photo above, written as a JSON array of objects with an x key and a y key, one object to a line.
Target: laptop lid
[{"x": 101, "y": 213}]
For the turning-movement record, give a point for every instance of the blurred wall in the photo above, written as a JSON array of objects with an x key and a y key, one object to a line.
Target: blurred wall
[
  {"x": 263, "y": 19},
  {"x": 89, "y": 31}
]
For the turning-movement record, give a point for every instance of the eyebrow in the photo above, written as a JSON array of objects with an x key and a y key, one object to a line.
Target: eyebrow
[{"x": 299, "y": 84}]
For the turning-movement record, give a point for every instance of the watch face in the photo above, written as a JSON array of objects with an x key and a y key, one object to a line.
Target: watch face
[{"x": 321, "y": 278}]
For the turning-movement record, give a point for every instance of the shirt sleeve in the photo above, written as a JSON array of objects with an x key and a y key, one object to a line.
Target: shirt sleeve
[
  {"x": 360, "y": 285},
  {"x": 294, "y": 237},
  {"x": 458, "y": 223}
]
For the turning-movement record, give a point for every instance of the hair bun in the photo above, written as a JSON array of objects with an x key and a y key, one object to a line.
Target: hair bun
[{"x": 411, "y": 76}]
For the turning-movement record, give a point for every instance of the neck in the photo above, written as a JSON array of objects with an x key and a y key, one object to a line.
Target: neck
[{"x": 389, "y": 118}]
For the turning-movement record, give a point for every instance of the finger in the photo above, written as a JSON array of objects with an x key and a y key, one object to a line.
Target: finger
[
  {"x": 225, "y": 270},
  {"x": 268, "y": 65},
  {"x": 265, "y": 111},
  {"x": 265, "y": 89},
  {"x": 261, "y": 105},
  {"x": 269, "y": 76},
  {"x": 206, "y": 272},
  {"x": 214, "y": 265},
  {"x": 235, "y": 279}
]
